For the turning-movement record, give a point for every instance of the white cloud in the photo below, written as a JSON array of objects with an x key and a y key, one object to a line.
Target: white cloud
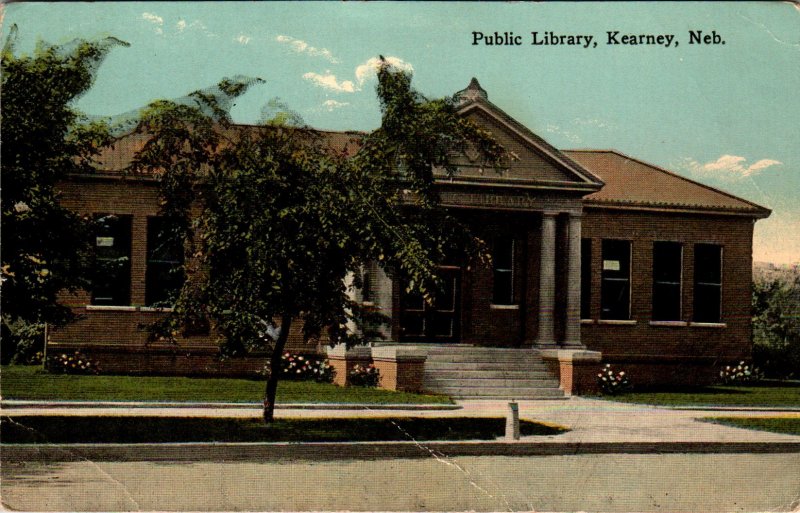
[
  {"x": 300, "y": 46},
  {"x": 242, "y": 39},
  {"x": 331, "y": 105},
  {"x": 181, "y": 25},
  {"x": 153, "y": 18},
  {"x": 156, "y": 20},
  {"x": 570, "y": 136},
  {"x": 730, "y": 167},
  {"x": 329, "y": 81},
  {"x": 369, "y": 69},
  {"x": 598, "y": 123}
]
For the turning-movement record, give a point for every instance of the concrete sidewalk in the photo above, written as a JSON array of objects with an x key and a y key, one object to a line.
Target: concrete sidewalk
[{"x": 593, "y": 423}]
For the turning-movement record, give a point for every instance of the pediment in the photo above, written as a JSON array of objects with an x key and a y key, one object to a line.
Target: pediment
[{"x": 531, "y": 160}]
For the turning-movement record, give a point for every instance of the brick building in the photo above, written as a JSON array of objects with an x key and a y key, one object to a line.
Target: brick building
[{"x": 597, "y": 256}]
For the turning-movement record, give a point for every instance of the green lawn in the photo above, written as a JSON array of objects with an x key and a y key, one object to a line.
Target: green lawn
[
  {"x": 775, "y": 394},
  {"x": 786, "y": 425},
  {"x": 30, "y": 382},
  {"x": 69, "y": 429}
]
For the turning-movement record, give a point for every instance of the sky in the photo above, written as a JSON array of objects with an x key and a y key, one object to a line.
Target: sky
[{"x": 727, "y": 115}]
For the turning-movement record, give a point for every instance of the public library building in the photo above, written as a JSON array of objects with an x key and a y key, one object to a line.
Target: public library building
[{"x": 598, "y": 257}]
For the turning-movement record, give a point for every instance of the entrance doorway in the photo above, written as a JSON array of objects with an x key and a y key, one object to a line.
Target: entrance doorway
[{"x": 439, "y": 322}]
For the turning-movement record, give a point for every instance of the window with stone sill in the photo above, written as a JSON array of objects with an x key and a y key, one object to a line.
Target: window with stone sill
[
  {"x": 111, "y": 276},
  {"x": 615, "y": 287},
  {"x": 667, "y": 280},
  {"x": 164, "y": 273},
  {"x": 586, "y": 278},
  {"x": 503, "y": 270},
  {"x": 707, "y": 283}
]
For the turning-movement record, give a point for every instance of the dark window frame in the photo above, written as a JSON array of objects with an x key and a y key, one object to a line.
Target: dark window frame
[
  {"x": 503, "y": 271},
  {"x": 667, "y": 294},
  {"x": 708, "y": 272},
  {"x": 111, "y": 273},
  {"x": 586, "y": 278},
  {"x": 615, "y": 286},
  {"x": 163, "y": 267}
]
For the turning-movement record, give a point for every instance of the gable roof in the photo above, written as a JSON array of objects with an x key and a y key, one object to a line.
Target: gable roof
[
  {"x": 633, "y": 183},
  {"x": 474, "y": 102}
]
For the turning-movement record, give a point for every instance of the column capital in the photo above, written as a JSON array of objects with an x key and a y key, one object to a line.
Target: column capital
[{"x": 550, "y": 213}]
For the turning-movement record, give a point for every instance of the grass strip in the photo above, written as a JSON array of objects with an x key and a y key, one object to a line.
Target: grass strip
[
  {"x": 769, "y": 394},
  {"x": 784, "y": 425},
  {"x": 32, "y": 383},
  {"x": 117, "y": 429}
]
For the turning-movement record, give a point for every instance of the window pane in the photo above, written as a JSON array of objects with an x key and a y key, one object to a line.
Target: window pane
[
  {"x": 441, "y": 324},
  {"x": 707, "y": 268},
  {"x": 503, "y": 263},
  {"x": 615, "y": 292},
  {"x": 111, "y": 283},
  {"x": 667, "y": 262},
  {"x": 164, "y": 273},
  {"x": 666, "y": 302},
  {"x": 412, "y": 324},
  {"x": 586, "y": 278},
  {"x": 707, "y": 282},
  {"x": 706, "y": 303}
]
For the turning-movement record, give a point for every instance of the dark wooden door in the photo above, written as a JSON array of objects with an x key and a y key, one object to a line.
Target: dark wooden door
[{"x": 438, "y": 322}]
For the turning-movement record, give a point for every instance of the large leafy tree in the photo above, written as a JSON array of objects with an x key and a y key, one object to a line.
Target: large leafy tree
[
  {"x": 776, "y": 326},
  {"x": 46, "y": 247},
  {"x": 275, "y": 216}
]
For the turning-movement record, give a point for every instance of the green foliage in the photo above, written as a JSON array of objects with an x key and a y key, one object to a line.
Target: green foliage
[
  {"x": 21, "y": 341},
  {"x": 776, "y": 327},
  {"x": 275, "y": 217},
  {"x": 46, "y": 247}
]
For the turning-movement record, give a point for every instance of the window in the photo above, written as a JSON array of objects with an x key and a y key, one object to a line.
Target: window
[
  {"x": 615, "y": 289},
  {"x": 667, "y": 266},
  {"x": 586, "y": 278},
  {"x": 164, "y": 274},
  {"x": 111, "y": 282},
  {"x": 707, "y": 283},
  {"x": 503, "y": 262}
]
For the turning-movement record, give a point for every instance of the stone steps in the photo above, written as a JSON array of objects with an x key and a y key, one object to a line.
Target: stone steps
[{"x": 490, "y": 373}]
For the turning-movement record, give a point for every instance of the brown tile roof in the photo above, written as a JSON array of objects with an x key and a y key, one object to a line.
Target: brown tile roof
[
  {"x": 636, "y": 184},
  {"x": 119, "y": 155}
]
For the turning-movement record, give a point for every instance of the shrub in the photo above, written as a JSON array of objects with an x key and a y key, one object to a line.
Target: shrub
[
  {"x": 21, "y": 341},
  {"x": 364, "y": 376},
  {"x": 297, "y": 367},
  {"x": 612, "y": 383},
  {"x": 75, "y": 363},
  {"x": 742, "y": 373}
]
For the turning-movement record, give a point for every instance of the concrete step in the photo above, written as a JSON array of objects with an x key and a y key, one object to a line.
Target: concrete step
[
  {"x": 434, "y": 365},
  {"x": 503, "y": 392},
  {"x": 491, "y": 383},
  {"x": 485, "y": 357},
  {"x": 447, "y": 373}
]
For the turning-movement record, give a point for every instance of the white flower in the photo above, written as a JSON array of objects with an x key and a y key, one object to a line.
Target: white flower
[{"x": 21, "y": 207}]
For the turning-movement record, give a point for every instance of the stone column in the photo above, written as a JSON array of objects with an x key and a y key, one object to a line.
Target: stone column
[
  {"x": 572, "y": 336},
  {"x": 547, "y": 281}
]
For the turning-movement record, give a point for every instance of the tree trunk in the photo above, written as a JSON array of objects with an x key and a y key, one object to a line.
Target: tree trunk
[{"x": 275, "y": 369}]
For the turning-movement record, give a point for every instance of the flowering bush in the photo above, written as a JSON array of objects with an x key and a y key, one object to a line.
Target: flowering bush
[
  {"x": 364, "y": 376},
  {"x": 742, "y": 373},
  {"x": 297, "y": 367},
  {"x": 612, "y": 383},
  {"x": 75, "y": 363}
]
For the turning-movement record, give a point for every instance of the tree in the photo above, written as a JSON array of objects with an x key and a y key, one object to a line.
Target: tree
[
  {"x": 275, "y": 217},
  {"x": 776, "y": 326},
  {"x": 46, "y": 248}
]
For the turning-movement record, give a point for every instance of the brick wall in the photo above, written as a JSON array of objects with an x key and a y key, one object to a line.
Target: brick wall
[{"x": 661, "y": 353}]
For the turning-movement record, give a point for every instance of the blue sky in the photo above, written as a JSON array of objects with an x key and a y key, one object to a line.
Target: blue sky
[{"x": 727, "y": 115}]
